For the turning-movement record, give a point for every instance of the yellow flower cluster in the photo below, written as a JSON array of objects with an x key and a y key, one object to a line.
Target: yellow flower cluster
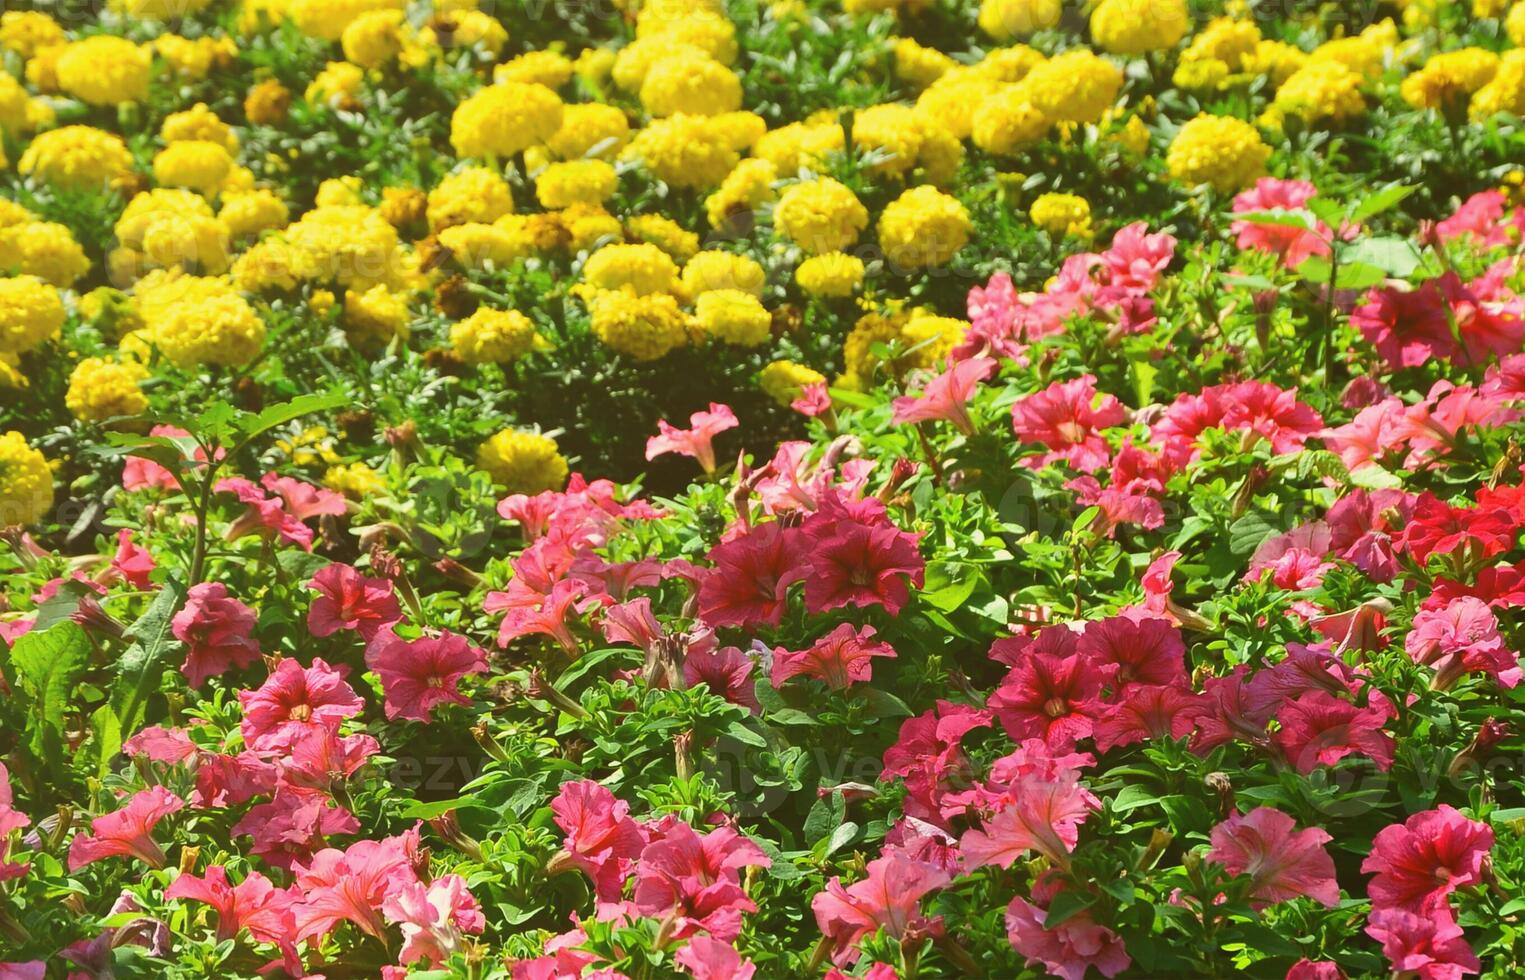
[
  {"x": 1062, "y": 214},
  {"x": 523, "y": 462},
  {"x": 76, "y": 157},
  {"x": 832, "y": 275},
  {"x": 26, "y": 482},
  {"x": 820, "y": 215},
  {"x": 31, "y": 311},
  {"x": 492, "y": 336},
  {"x": 1221, "y": 151},
  {"x": 1139, "y": 26},
  {"x": 100, "y": 389},
  {"x": 783, "y": 381},
  {"x": 1448, "y": 79},
  {"x": 923, "y": 228}
]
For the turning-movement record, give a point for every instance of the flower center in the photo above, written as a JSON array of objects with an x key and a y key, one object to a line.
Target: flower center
[{"x": 1054, "y": 707}]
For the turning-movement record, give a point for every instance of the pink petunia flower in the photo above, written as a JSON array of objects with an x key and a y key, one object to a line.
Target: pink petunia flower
[
  {"x": 841, "y": 658},
  {"x": 433, "y": 918},
  {"x": 1407, "y": 327},
  {"x": 1421, "y": 861},
  {"x": 254, "y": 903},
  {"x": 889, "y": 898},
  {"x": 1290, "y": 244},
  {"x": 1148, "y": 712},
  {"x": 1043, "y": 817},
  {"x": 132, "y": 563},
  {"x": 139, "y": 473},
  {"x": 601, "y": 838},
  {"x": 351, "y": 886},
  {"x": 348, "y": 600},
  {"x": 1429, "y": 947},
  {"x": 1067, "y": 418},
  {"x": 1281, "y": 861},
  {"x": 749, "y": 583},
  {"x": 263, "y": 514},
  {"x": 531, "y": 613},
  {"x": 697, "y": 441},
  {"x": 1134, "y": 649},
  {"x": 1306, "y": 969},
  {"x": 419, "y": 675},
  {"x": 697, "y": 879},
  {"x": 1050, "y": 697},
  {"x": 216, "y": 628},
  {"x": 945, "y": 396},
  {"x": 293, "y": 826},
  {"x": 727, "y": 671},
  {"x": 1069, "y": 949},
  {"x": 706, "y": 958},
  {"x": 294, "y": 699},
  {"x": 1462, "y": 637},
  {"x": 1319, "y": 729},
  {"x": 125, "y": 832}
]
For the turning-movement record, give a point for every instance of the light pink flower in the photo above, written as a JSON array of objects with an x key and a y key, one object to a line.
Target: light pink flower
[
  {"x": 125, "y": 832},
  {"x": 945, "y": 396},
  {"x": 697, "y": 441},
  {"x": 841, "y": 658},
  {"x": 889, "y": 898},
  {"x": 1281, "y": 861},
  {"x": 433, "y": 918},
  {"x": 1069, "y": 949}
]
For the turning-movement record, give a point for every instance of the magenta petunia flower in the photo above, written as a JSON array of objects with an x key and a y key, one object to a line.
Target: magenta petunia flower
[
  {"x": 1050, "y": 697},
  {"x": 1319, "y": 729},
  {"x": 749, "y": 583},
  {"x": 841, "y": 658},
  {"x": 697, "y": 880},
  {"x": 126, "y": 832},
  {"x": 1134, "y": 649},
  {"x": 706, "y": 958},
  {"x": 1149, "y": 711},
  {"x": 1068, "y": 950},
  {"x": 294, "y": 699},
  {"x": 348, "y": 600},
  {"x": 351, "y": 886},
  {"x": 601, "y": 838},
  {"x": 419, "y": 675},
  {"x": 857, "y": 564},
  {"x": 216, "y": 629},
  {"x": 1281, "y": 861},
  {"x": 433, "y": 918},
  {"x": 1429, "y": 946},
  {"x": 1067, "y": 418},
  {"x": 1421, "y": 861}
]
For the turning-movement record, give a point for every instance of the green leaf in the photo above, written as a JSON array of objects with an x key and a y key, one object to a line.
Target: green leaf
[
  {"x": 1378, "y": 201},
  {"x": 840, "y": 838},
  {"x": 1066, "y": 905},
  {"x": 1373, "y": 477},
  {"x": 950, "y": 583},
  {"x": 1396, "y": 257},
  {"x": 250, "y": 427},
  {"x": 428, "y": 811},
  {"x": 141, "y": 667},
  {"x": 48, "y": 664}
]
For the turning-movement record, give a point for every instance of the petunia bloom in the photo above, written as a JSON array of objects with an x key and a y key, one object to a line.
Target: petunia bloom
[
  {"x": 419, "y": 675},
  {"x": 696, "y": 441},
  {"x": 889, "y": 898},
  {"x": 254, "y": 903},
  {"x": 1421, "y": 861},
  {"x": 944, "y": 397},
  {"x": 601, "y": 838},
  {"x": 1070, "y": 948},
  {"x": 348, "y": 600},
  {"x": 294, "y": 699},
  {"x": 125, "y": 832},
  {"x": 1429, "y": 947},
  {"x": 840, "y": 658},
  {"x": 433, "y": 918},
  {"x": 1281, "y": 861},
  {"x": 216, "y": 628},
  {"x": 1066, "y": 418}
]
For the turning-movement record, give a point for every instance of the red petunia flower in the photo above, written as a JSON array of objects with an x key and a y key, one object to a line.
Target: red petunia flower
[
  {"x": 749, "y": 583},
  {"x": 1135, "y": 649},
  {"x": 1281, "y": 861},
  {"x": 419, "y": 675},
  {"x": 348, "y": 600},
  {"x": 125, "y": 832},
  {"x": 1053, "y": 698},
  {"x": 1421, "y": 861},
  {"x": 1429, "y": 947},
  {"x": 294, "y": 699},
  {"x": 1319, "y": 729},
  {"x": 254, "y": 903},
  {"x": 840, "y": 658},
  {"x": 1066, "y": 418},
  {"x": 216, "y": 629},
  {"x": 601, "y": 838}
]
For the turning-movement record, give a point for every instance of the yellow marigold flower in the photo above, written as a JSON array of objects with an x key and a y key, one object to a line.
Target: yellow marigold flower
[
  {"x": 492, "y": 336},
  {"x": 923, "y": 228},
  {"x": 475, "y": 194},
  {"x": 475, "y": 244},
  {"x": 1224, "y": 40},
  {"x": 26, "y": 481},
  {"x": 1077, "y": 86},
  {"x": 858, "y": 355},
  {"x": 953, "y": 99},
  {"x": 576, "y": 182},
  {"x": 337, "y": 86},
  {"x": 714, "y": 269},
  {"x": 76, "y": 157},
  {"x": 327, "y": 19},
  {"x": 784, "y": 381},
  {"x": 1139, "y": 26},
  {"x": 44, "y": 249},
  {"x": 187, "y": 240},
  {"x": 10, "y": 373},
  {"x": 1011, "y": 64},
  {"x": 733, "y": 316},
  {"x": 690, "y": 83},
  {"x": 590, "y": 129},
  {"x": 220, "y": 329},
  {"x": 502, "y": 120},
  {"x": 1362, "y": 54},
  {"x": 739, "y": 130},
  {"x": 1321, "y": 90},
  {"x": 587, "y": 226},
  {"x": 830, "y": 275},
  {"x": 744, "y": 190},
  {"x": 1007, "y": 19},
  {"x": 642, "y": 267},
  {"x": 338, "y": 192},
  {"x": 1506, "y": 92},
  {"x": 30, "y": 312},
  {"x": 523, "y": 462},
  {"x": 931, "y": 338},
  {"x": 684, "y": 151},
  {"x": 373, "y": 317},
  {"x": 42, "y": 69},
  {"x": 356, "y": 481},
  {"x": 820, "y": 215},
  {"x": 251, "y": 212},
  {"x": 710, "y": 33},
  {"x": 920, "y": 66},
  {"x": 201, "y": 124},
  {"x": 798, "y": 145},
  {"x": 159, "y": 9},
  {"x": 267, "y": 103},
  {"x": 375, "y": 38},
  {"x": 104, "y": 70},
  {"x": 1132, "y": 136},
  {"x": 467, "y": 29},
  {"x": 100, "y": 389},
  {"x": 15, "y": 106},
  {"x": 1062, "y": 214},
  {"x": 1222, "y": 151},
  {"x": 1449, "y": 78},
  {"x": 197, "y": 164},
  {"x": 28, "y": 31},
  {"x": 664, "y": 233},
  {"x": 403, "y": 206},
  {"x": 593, "y": 65},
  {"x": 12, "y": 214},
  {"x": 892, "y": 131},
  {"x": 1007, "y": 122},
  {"x": 642, "y": 327},
  {"x": 635, "y": 59},
  {"x": 549, "y": 68},
  {"x": 1514, "y": 24},
  {"x": 194, "y": 60}
]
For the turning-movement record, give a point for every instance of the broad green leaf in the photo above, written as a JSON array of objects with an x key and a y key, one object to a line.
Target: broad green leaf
[
  {"x": 141, "y": 666},
  {"x": 251, "y": 426},
  {"x": 48, "y": 664},
  {"x": 1379, "y": 201},
  {"x": 1397, "y": 257}
]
